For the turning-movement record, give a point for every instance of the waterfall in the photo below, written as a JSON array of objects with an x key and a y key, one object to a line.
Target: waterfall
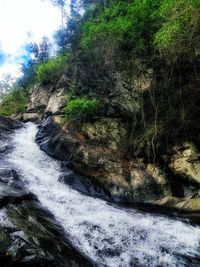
[{"x": 112, "y": 236}]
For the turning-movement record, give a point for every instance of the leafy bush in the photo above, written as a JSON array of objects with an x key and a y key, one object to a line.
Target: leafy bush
[
  {"x": 81, "y": 109},
  {"x": 51, "y": 70},
  {"x": 14, "y": 102}
]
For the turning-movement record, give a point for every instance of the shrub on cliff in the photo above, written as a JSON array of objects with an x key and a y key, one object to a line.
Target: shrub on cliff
[
  {"x": 81, "y": 109},
  {"x": 51, "y": 70}
]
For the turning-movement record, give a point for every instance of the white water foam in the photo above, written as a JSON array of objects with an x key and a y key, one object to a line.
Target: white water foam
[
  {"x": 4, "y": 220},
  {"x": 111, "y": 236}
]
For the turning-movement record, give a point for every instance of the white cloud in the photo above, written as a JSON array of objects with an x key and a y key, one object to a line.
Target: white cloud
[
  {"x": 21, "y": 21},
  {"x": 12, "y": 68}
]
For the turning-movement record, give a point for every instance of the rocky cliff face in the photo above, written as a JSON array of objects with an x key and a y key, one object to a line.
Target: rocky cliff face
[
  {"x": 44, "y": 101},
  {"x": 99, "y": 149}
]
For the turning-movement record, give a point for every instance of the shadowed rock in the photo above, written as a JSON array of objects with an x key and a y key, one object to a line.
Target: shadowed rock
[
  {"x": 35, "y": 237},
  {"x": 7, "y": 124}
]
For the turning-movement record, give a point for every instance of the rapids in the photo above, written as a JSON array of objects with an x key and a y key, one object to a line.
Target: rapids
[{"x": 110, "y": 235}]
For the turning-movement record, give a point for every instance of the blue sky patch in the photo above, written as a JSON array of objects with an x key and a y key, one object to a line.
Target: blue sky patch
[{"x": 2, "y": 58}]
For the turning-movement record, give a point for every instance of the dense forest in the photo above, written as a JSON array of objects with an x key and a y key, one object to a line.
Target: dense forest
[{"x": 115, "y": 44}]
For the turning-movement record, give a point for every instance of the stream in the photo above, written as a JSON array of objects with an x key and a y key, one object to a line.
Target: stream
[{"x": 109, "y": 235}]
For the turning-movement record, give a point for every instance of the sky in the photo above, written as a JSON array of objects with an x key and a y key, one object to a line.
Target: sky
[{"x": 22, "y": 21}]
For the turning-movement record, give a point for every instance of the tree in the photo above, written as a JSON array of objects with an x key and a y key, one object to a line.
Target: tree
[
  {"x": 38, "y": 53},
  {"x": 5, "y": 84},
  {"x": 66, "y": 36},
  {"x": 34, "y": 49},
  {"x": 61, "y": 4},
  {"x": 44, "y": 49}
]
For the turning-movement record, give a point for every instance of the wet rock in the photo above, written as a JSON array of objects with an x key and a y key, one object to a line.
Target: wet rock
[
  {"x": 83, "y": 185},
  {"x": 36, "y": 237},
  {"x": 53, "y": 141},
  {"x": 8, "y": 125},
  {"x": 17, "y": 249},
  {"x": 11, "y": 188},
  {"x": 11, "y": 178},
  {"x": 46, "y": 235},
  {"x": 4, "y": 148}
]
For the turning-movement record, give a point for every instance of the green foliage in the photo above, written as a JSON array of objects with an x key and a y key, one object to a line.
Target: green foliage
[
  {"x": 50, "y": 71},
  {"x": 137, "y": 28},
  {"x": 128, "y": 23},
  {"x": 120, "y": 39},
  {"x": 179, "y": 32},
  {"x": 14, "y": 102},
  {"x": 81, "y": 109}
]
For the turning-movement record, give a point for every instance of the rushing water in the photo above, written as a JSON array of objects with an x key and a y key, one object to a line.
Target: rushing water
[{"x": 109, "y": 235}]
